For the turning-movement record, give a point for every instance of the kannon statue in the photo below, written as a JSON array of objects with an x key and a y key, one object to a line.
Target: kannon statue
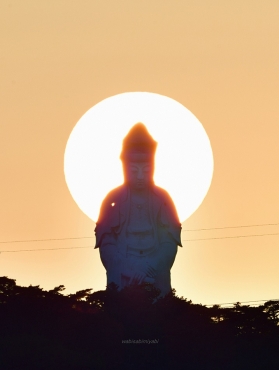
[{"x": 138, "y": 229}]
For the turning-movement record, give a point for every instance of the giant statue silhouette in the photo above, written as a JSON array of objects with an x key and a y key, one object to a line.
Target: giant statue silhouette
[{"x": 138, "y": 229}]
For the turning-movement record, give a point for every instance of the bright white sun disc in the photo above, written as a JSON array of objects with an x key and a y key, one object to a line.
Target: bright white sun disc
[{"x": 183, "y": 162}]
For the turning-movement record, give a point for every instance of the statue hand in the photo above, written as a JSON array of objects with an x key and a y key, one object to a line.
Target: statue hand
[
  {"x": 143, "y": 271},
  {"x": 151, "y": 269},
  {"x": 137, "y": 277},
  {"x": 138, "y": 271},
  {"x": 145, "y": 267}
]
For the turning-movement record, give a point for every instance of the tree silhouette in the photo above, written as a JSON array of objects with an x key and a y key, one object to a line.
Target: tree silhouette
[{"x": 106, "y": 329}]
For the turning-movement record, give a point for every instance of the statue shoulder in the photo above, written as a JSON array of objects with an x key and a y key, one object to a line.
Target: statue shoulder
[
  {"x": 162, "y": 194},
  {"x": 110, "y": 204},
  {"x": 168, "y": 209},
  {"x": 116, "y": 194}
]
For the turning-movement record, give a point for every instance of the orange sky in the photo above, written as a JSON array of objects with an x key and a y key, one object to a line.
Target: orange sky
[{"x": 218, "y": 58}]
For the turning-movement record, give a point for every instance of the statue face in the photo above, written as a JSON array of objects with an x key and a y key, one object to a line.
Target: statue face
[{"x": 139, "y": 175}]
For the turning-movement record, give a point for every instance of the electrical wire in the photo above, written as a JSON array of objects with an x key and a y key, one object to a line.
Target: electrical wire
[
  {"x": 230, "y": 227},
  {"x": 233, "y": 303},
  {"x": 183, "y": 230},
  {"x": 229, "y": 237},
  {"x": 44, "y": 240},
  {"x": 91, "y": 237},
  {"x": 184, "y": 240},
  {"x": 44, "y": 249}
]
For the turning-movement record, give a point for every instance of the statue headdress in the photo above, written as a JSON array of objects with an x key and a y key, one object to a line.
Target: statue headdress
[{"x": 138, "y": 143}]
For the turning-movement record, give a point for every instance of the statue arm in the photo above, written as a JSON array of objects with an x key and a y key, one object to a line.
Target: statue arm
[
  {"x": 108, "y": 219},
  {"x": 110, "y": 257},
  {"x": 163, "y": 258},
  {"x": 168, "y": 223}
]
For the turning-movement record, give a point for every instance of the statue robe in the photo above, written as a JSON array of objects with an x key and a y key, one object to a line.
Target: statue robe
[{"x": 114, "y": 213}]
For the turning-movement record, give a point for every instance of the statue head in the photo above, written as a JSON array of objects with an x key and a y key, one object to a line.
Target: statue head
[{"x": 138, "y": 152}]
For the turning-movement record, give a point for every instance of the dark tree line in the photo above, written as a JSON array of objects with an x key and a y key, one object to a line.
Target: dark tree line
[{"x": 42, "y": 329}]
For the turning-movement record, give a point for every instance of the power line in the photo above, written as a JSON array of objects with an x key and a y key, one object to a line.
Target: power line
[
  {"x": 44, "y": 240},
  {"x": 233, "y": 303},
  {"x": 184, "y": 230},
  {"x": 90, "y": 237},
  {"x": 230, "y": 227},
  {"x": 184, "y": 240},
  {"x": 44, "y": 249},
  {"x": 229, "y": 237}
]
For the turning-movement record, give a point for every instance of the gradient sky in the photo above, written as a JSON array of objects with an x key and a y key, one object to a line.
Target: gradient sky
[{"x": 218, "y": 58}]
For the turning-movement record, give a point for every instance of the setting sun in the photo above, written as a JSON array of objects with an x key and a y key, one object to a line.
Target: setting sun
[{"x": 183, "y": 162}]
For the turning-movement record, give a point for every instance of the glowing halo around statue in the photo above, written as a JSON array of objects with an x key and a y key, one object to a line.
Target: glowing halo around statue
[{"x": 184, "y": 159}]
